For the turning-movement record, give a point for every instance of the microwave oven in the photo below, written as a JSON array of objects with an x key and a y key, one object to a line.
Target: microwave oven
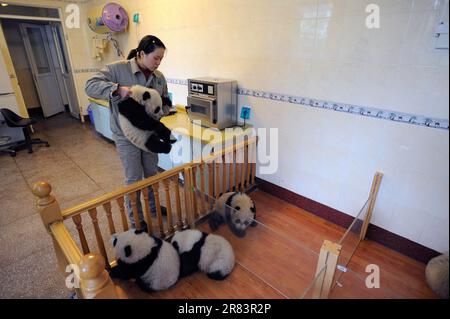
[{"x": 212, "y": 102}]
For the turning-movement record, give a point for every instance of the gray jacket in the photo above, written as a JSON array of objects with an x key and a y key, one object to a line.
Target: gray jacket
[{"x": 125, "y": 73}]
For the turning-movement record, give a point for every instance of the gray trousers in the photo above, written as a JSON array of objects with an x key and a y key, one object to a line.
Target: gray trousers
[{"x": 137, "y": 164}]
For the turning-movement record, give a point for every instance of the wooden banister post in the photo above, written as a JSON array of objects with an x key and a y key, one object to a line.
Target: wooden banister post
[
  {"x": 188, "y": 188},
  {"x": 329, "y": 254},
  {"x": 47, "y": 205},
  {"x": 50, "y": 212},
  {"x": 372, "y": 198},
  {"x": 94, "y": 279}
]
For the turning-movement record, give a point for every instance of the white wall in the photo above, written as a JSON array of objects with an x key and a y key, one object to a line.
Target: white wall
[{"x": 322, "y": 49}]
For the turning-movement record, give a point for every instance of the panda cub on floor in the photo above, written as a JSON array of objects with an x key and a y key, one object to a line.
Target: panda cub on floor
[
  {"x": 153, "y": 262},
  {"x": 139, "y": 118},
  {"x": 436, "y": 274},
  {"x": 210, "y": 253},
  {"x": 244, "y": 213}
]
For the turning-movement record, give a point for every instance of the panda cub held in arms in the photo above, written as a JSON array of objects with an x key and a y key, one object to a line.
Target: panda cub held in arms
[
  {"x": 153, "y": 262},
  {"x": 210, "y": 253},
  {"x": 139, "y": 118},
  {"x": 244, "y": 213}
]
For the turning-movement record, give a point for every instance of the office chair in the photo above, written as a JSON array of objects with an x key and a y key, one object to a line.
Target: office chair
[
  {"x": 5, "y": 146},
  {"x": 14, "y": 120}
]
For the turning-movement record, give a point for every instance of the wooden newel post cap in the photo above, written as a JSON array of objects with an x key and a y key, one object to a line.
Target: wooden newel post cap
[
  {"x": 95, "y": 281},
  {"x": 42, "y": 189},
  {"x": 91, "y": 266}
]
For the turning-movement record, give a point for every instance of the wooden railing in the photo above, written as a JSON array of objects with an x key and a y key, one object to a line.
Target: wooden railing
[
  {"x": 330, "y": 251},
  {"x": 232, "y": 168},
  {"x": 90, "y": 277}
]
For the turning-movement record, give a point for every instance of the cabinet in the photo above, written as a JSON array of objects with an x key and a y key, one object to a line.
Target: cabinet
[
  {"x": 101, "y": 120},
  {"x": 165, "y": 162},
  {"x": 181, "y": 152}
]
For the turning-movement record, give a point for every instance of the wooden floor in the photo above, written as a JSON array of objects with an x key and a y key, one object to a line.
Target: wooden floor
[{"x": 277, "y": 259}]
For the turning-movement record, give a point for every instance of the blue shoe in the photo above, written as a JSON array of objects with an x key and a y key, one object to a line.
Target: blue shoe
[
  {"x": 163, "y": 211},
  {"x": 144, "y": 226}
]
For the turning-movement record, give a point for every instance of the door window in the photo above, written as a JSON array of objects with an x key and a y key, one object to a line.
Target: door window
[{"x": 37, "y": 45}]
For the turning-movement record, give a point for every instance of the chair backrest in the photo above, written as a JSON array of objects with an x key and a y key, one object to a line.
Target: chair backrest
[{"x": 11, "y": 118}]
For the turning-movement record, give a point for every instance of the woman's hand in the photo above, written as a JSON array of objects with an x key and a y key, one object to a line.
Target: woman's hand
[{"x": 123, "y": 91}]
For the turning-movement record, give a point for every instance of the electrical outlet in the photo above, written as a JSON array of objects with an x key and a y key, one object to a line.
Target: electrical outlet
[{"x": 245, "y": 112}]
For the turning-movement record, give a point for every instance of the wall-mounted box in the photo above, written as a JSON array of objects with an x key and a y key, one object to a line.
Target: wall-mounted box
[{"x": 442, "y": 36}]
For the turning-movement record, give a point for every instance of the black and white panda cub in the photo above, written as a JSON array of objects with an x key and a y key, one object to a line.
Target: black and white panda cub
[
  {"x": 244, "y": 213},
  {"x": 139, "y": 117},
  {"x": 153, "y": 262},
  {"x": 210, "y": 253},
  {"x": 436, "y": 274}
]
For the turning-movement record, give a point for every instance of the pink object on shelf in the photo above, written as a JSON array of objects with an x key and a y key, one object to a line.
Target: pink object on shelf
[{"x": 114, "y": 17}]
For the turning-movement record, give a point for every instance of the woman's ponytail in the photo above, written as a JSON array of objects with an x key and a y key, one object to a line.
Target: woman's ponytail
[{"x": 132, "y": 54}]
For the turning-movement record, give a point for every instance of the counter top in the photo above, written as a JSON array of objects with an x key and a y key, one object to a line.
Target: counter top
[
  {"x": 99, "y": 102},
  {"x": 181, "y": 124}
]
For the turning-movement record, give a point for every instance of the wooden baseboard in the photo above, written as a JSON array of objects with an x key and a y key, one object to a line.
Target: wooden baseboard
[{"x": 375, "y": 233}]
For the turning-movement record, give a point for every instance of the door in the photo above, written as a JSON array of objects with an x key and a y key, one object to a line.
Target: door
[
  {"x": 57, "y": 65},
  {"x": 55, "y": 31},
  {"x": 44, "y": 74},
  {"x": 7, "y": 97}
]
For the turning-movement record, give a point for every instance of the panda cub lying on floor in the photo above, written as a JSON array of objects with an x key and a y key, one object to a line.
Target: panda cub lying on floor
[
  {"x": 210, "y": 253},
  {"x": 436, "y": 274},
  {"x": 153, "y": 262},
  {"x": 139, "y": 118},
  {"x": 244, "y": 213}
]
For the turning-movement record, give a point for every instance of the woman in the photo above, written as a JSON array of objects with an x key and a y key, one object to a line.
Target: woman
[{"x": 113, "y": 83}]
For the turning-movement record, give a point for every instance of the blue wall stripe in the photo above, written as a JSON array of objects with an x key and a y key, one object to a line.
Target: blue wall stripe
[{"x": 383, "y": 114}]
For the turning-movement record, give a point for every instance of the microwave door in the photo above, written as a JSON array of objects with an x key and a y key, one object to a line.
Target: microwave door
[{"x": 202, "y": 109}]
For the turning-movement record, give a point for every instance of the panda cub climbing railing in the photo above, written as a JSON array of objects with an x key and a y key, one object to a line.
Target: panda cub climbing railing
[{"x": 232, "y": 168}]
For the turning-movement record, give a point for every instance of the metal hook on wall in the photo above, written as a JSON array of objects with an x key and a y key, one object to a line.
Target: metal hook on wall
[{"x": 116, "y": 45}]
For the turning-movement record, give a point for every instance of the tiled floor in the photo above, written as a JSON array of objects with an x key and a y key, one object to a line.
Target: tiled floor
[{"x": 79, "y": 165}]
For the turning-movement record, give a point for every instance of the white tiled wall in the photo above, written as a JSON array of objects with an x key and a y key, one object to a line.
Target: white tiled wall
[{"x": 322, "y": 49}]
